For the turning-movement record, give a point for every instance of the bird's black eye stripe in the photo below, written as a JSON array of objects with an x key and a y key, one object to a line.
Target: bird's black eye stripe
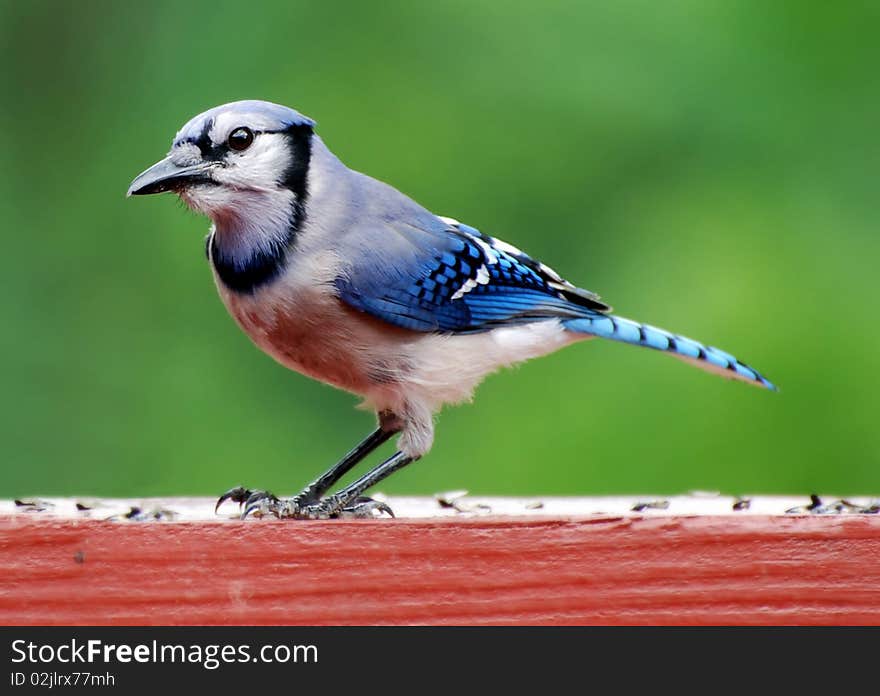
[
  {"x": 240, "y": 138},
  {"x": 216, "y": 153}
]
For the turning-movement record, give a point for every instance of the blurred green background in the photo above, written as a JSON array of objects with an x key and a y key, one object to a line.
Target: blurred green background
[{"x": 706, "y": 167}]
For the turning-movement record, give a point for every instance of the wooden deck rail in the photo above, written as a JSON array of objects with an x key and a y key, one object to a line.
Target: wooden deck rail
[{"x": 701, "y": 560}]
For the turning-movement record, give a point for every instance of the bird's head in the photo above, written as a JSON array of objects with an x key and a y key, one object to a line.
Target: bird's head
[{"x": 233, "y": 158}]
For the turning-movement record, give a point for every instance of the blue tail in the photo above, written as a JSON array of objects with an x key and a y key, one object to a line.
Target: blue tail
[{"x": 706, "y": 357}]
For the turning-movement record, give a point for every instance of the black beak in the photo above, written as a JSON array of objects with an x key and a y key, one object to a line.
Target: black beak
[{"x": 167, "y": 176}]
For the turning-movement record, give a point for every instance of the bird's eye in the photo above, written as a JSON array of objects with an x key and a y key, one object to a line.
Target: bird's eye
[{"x": 241, "y": 139}]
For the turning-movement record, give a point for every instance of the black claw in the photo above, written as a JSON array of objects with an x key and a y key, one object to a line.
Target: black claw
[
  {"x": 362, "y": 506},
  {"x": 239, "y": 494},
  {"x": 382, "y": 507}
]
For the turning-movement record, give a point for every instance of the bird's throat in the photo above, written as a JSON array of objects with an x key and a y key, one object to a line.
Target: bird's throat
[{"x": 250, "y": 244}]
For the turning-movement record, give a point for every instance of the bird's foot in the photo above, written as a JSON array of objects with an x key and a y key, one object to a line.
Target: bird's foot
[
  {"x": 363, "y": 507},
  {"x": 300, "y": 507}
]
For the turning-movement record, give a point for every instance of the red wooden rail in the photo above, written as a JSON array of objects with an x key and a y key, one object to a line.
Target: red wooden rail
[{"x": 591, "y": 561}]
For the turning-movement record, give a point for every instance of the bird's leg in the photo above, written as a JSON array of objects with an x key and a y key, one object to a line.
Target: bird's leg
[
  {"x": 349, "y": 502},
  {"x": 317, "y": 488},
  {"x": 268, "y": 503}
]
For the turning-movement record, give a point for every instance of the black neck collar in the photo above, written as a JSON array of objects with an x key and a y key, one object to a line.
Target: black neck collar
[{"x": 261, "y": 267}]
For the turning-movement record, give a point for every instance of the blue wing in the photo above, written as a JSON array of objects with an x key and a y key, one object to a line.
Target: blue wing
[
  {"x": 442, "y": 276},
  {"x": 454, "y": 279}
]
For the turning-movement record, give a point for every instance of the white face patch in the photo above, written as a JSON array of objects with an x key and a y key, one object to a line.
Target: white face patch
[
  {"x": 240, "y": 175},
  {"x": 260, "y": 167}
]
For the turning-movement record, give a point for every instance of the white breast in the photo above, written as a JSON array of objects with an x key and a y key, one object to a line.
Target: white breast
[{"x": 298, "y": 321}]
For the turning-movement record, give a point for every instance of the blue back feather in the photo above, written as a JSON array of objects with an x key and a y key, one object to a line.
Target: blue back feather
[{"x": 465, "y": 282}]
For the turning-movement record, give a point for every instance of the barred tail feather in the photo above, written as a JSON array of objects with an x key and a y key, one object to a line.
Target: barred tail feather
[{"x": 705, "y": 357}]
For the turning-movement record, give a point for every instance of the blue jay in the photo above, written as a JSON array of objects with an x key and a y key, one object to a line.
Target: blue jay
[{"x": 343, "y": 278}]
